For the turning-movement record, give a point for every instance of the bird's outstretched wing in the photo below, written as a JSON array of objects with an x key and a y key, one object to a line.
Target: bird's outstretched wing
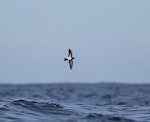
[
  {"x": 69, "y": 53},
  {"x": 71, "y": 64}
]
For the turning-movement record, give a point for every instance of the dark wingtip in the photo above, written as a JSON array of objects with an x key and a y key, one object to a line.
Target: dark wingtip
[{"x": 65, "y": 59}]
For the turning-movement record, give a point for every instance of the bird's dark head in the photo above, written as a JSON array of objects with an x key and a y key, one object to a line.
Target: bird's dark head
[{"x": 73, "y": 58}]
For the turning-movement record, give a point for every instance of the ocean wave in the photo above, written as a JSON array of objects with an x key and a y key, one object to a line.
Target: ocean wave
[
  {"x": 95, "y": 117},
  {"x": 41, "y": 107},
  {"x": 51, "y": 112}
]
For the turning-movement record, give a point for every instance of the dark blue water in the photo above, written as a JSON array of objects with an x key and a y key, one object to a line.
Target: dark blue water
[{"x": 103, "y": 102}]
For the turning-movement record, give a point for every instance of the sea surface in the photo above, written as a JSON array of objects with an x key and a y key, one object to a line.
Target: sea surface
[{"x": 77, "y": 102}]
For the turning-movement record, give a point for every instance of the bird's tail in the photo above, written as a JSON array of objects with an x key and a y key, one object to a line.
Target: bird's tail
[{"x": 65, "y": 59}]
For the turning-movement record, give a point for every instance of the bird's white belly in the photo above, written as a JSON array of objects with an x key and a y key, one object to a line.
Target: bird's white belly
[{"x": 69, "y": 58}]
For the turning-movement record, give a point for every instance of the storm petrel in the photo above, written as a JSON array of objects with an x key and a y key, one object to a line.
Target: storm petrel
[{"x": 69, "y": 58}]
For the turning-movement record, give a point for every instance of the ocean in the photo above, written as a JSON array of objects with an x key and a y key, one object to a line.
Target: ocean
[{"x": 76, "y": 102}]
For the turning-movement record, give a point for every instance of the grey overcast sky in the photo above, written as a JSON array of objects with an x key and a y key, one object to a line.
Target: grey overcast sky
[{"x": 110, "y": 40}]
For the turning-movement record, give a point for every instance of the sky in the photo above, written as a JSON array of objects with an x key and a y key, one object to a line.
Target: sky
[{"x": 110, "y": 41}]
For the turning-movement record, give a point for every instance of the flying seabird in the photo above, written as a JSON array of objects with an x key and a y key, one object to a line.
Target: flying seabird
[{"x": 69, "y": 58}]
